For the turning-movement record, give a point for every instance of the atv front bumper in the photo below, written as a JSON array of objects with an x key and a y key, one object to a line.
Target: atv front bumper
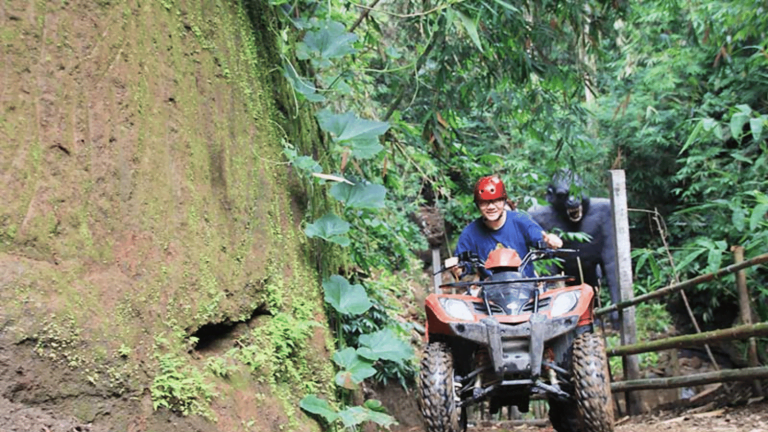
[{"x": 507, "y": 343}]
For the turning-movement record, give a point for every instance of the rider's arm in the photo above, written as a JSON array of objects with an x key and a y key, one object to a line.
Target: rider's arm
[
  {"x": 535, "y": 234},
  {"x": 465, "y": 244}
]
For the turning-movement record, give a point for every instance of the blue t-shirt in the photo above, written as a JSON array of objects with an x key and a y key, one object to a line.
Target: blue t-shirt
[{"x": 518, "y": 233}]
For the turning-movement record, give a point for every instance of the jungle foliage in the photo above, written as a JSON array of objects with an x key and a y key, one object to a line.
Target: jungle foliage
[{"x": 419, "y": 99}]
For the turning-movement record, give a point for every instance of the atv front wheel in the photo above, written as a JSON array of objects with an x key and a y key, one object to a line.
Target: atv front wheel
[
  {"x": 592, "y": 384},
  {"x": 438, "y": 396}
]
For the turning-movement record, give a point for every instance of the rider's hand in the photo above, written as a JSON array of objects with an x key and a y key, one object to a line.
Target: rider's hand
[
  {"x": 456, "y": 272},
  {"x": 552, "y": 240}
]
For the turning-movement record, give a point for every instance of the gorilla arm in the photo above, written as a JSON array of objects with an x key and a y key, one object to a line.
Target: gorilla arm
[{"x": 600, "y": 214}]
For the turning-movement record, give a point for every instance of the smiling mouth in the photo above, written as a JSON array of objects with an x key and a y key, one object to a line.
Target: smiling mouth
[{"x": 575, "y": 214}]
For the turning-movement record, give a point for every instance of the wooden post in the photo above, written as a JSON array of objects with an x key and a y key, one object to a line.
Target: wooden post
[
  {"x": 746, "y": 312},
  {"x": 436, "y": 266},
  {"x": 631, "y": 363}
]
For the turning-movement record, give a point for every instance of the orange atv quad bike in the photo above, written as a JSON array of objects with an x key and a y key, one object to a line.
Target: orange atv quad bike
[{"x": 517, "y": 339}]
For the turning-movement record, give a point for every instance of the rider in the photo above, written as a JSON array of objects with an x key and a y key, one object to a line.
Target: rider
[{"x": 499, "y": 227}]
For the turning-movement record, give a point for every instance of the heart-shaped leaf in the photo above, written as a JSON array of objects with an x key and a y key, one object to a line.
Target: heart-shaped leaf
[
  {"x": 365, "y": 148},
  {"x": 360, "y": 135},
  {"x": 315, "y": 405},
  {"x": 346, "y": 298},
  {"x": 355, "y": 415},
  {"x": 386, "y": 345},
  {"x": 354, "y": 368},
  {"x": 737, "y": 123},
  {"x": 329, "y": 227},
  {"x": 360, "y": 195},
  {"x": 330, "y": 41}
]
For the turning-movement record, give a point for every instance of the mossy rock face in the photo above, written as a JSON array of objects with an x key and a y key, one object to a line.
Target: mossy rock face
[{"x": 147, "y": 212}]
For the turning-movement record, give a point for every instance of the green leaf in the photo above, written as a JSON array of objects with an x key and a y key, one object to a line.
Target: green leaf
[
  {"x": 382, "y": 419},
  {"x": 654, "y": 267},
  {"x": 355, "y": 415},
  {"x": 741, "y": 158},
  {"x": 330, "y": 228},
  {"x": 365, "y": 149},
  {"x": 714, "y": 260},
  {"x": 374, "y": 405},
  {"x": 737, "y": 123},
  {"x": 331, "y": 41},
  {"x": 708, "y": 124},
  {"x": 360, "y": 195},
  {"x": 471, "y": 27},
  {"x": 758, "y": 214},
  {"x": 360, "y": 135},
  {"x": 345, "y": 298},
  {"x": 689, "y": 258},
  {"x": 386, "y": 345},
  {"x": 640, "y": 262},
  {"x": 307, "y": 164},
  {"x": 315, "y": 405},
  {"x": 692, "y": 137},
  {"x": 300, "y": 85},
  {"x": 756, "y": 126},
  {"x": 737, "y": 218},
  {"x": 508, "y": 6},
  {"x": 355, "y": 368}
]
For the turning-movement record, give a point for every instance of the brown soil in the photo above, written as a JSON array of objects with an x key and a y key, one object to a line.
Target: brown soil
[{"x": 745, "y": 418}]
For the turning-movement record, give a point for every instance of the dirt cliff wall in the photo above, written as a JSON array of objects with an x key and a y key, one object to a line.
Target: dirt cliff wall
[{"x": 151, "y": 262}]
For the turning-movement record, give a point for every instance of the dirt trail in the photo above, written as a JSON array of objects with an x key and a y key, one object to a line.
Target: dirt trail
[{"x": 745, "y": 418}]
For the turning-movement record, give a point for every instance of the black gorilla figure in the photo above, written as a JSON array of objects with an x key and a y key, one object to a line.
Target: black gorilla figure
[{"x": 571, "y": 211}]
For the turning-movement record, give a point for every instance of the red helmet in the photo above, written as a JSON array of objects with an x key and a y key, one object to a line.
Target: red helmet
[{"x": 489, "y": 188}]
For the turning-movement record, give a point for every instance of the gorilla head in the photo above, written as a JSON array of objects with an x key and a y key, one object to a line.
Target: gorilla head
[{"x": 567, "y": 196}]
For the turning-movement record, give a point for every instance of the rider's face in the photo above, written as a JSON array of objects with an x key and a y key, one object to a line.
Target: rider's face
[{"x": 491, "y": 210}]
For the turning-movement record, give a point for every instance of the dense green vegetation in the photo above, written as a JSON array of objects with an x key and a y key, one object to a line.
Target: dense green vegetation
[
  {"x": 417, "y": 100},
  {"x": 421, "y": 98}
]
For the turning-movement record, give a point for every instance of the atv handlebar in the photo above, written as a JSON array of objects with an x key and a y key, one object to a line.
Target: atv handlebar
[{"x": 469, "y": 259}]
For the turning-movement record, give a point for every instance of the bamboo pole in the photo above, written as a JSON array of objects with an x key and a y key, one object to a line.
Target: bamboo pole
[
  {"x": 698, "y": 339},
  {"x": 725, "y": 375},
  {"x": 745, "y": 309},
  {"x": 689, "y": 283}
]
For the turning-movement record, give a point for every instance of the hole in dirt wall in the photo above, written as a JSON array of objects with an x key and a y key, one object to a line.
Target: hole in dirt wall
[{"x": 219, "y": 337}]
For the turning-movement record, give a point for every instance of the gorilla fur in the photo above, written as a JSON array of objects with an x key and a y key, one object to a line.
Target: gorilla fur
[{"x": 571, "y": 211}]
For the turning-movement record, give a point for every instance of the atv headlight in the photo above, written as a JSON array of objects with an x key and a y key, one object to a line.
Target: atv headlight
[
  {"x": 457, "y": 309},
  {"x": 565, "y": 303}
]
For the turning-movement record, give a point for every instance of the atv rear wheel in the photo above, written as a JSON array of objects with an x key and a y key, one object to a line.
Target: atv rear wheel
[
  {"x": 592, "y": 384},
  {"x": 438, "y": 395}
]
